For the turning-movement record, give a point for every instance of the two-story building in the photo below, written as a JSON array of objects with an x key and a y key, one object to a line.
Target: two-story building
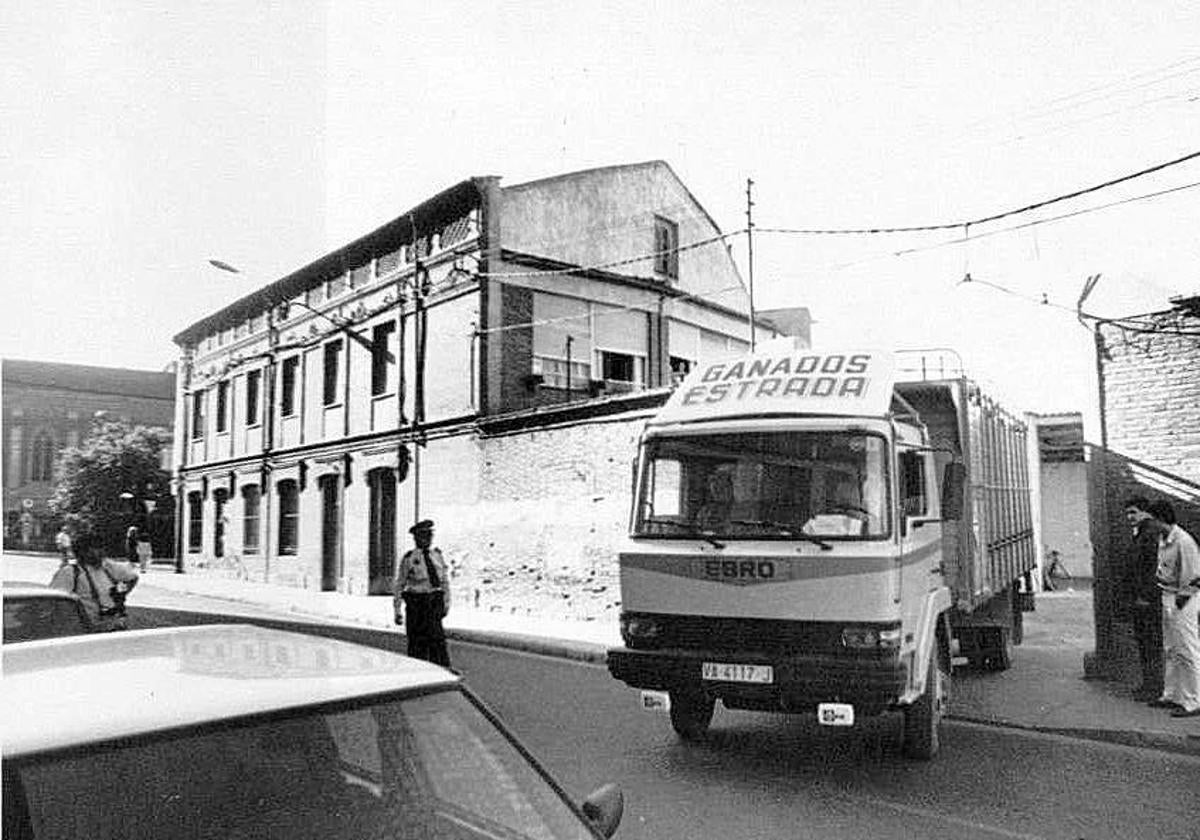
[{"x": 486, "y": 359}]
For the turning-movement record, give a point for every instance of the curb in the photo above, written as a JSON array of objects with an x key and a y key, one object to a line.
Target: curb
[
  {"x": 1180, "y": 744},
  {"x": 590, "y": 652}
]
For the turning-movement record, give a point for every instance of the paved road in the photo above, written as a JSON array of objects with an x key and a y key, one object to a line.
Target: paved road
[{"x": 770, "y": 776}]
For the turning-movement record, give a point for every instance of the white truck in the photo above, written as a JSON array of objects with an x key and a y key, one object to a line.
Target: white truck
[{"x": 810, "y": 535}]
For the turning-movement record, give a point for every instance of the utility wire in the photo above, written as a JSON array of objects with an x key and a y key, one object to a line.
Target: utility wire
[
  {"x": 1048, "y": 220},
  {"x": 984, "y": 219},
  {"x": 609, "y": 310},
  {"x": 550, "y": 272}
]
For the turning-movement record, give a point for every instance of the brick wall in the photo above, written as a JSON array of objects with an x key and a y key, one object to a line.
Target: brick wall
[
  {"x": 541, "y": 512},
  {"x": 1151, "y": 406}
]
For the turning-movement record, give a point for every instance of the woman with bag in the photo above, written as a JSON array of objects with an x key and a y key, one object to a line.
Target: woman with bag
[{"x": 101, "y": 585}]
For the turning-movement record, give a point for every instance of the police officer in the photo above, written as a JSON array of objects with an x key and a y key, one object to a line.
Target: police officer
[{"x": 423, "y": 591}]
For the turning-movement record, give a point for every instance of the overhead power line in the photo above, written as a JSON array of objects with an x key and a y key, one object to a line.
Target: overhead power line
[
  {"x": 967, "y": 224},
  {"x": 550, "y": 272}
]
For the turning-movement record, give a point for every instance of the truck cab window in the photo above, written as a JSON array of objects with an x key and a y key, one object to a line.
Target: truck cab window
[
  {"x": 914, "y": 498},
  {"x": 765, "y": 486}
]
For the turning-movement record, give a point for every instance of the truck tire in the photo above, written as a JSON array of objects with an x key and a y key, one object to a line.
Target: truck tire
[
  {"x": 691, "y": 713},
  {"x": 923, "y": 718}
]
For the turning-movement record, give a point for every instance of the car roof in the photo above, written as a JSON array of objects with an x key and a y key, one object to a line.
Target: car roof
[
  {"x": 81, "y": 690},
  {"x": 35, "y": 590}
]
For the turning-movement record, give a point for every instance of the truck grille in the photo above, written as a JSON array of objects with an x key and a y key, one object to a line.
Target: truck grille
[{"x": 768, "y": 636}]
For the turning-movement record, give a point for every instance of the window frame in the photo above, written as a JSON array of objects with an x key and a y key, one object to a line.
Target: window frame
[
  {"x": 290, "y": 370},
  {"x": 331, "y": 372},
  {"x": 198, "y": 418},
  {"x": 666, "y": 247},
  {"x": 253, "y": 392},
  {"x": 381, "y": 368},
  {"x": 223, "y": 406}
]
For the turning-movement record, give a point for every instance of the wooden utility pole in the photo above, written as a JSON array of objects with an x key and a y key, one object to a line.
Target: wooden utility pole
[{"x": 750, "y": 250}]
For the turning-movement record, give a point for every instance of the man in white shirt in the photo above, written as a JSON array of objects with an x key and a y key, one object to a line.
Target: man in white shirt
[
  {"x": 1178, "y": 577},
  {"x": 422, "y": 596}
]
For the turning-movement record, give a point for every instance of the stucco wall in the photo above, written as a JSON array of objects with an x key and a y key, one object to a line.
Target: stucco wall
[{"x": 1064, "y": 495}]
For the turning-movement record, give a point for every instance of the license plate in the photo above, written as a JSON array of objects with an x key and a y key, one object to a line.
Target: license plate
[
  {"x": 835, "y": 714},
  {"x": 735, "y": 672},
  {"x": 656, "y": 701}
]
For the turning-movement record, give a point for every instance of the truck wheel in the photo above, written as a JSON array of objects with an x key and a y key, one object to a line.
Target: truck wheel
[
  {"x": 691, "y": 713},
  {"x": 923, "y": 718},
  {"x": 999, "y": 646}
]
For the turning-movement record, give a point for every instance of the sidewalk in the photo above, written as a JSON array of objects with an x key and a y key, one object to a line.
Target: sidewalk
[{"x": 1043, "y": 691}]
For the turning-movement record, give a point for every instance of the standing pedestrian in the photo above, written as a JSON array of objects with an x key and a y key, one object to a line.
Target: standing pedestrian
[
  {"x": 422, "y": 596},
  {"x": 1179, "y": 580},
  {"x": 62, "y": 540},
  {"x": 131, "y": 541},
  {"x": 1143, "y": 597},
  {"x": 101, "y": 584},
  {"x": 145, "y": 551}
]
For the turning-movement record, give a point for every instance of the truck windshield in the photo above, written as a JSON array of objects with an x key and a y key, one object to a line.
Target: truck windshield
[{"x": 768, "y": 485}]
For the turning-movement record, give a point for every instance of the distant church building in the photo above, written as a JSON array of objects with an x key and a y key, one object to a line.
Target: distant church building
[
  {"x": 48, "y": 407},
  {"x": 486, "y": 359}
]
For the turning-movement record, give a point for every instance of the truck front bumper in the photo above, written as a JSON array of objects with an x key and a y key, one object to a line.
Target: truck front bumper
[{"x": 801, "y": 681}]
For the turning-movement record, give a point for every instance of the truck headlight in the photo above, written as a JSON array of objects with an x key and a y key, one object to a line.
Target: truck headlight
[
  {"x": 639, "y": 628},
  {"x": 871, "y": 638}
]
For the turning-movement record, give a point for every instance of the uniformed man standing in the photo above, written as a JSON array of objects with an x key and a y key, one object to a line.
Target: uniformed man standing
[{"x": 422, "y": 596}]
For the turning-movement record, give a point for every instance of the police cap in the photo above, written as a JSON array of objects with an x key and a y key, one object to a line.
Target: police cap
[{"x": 423, "y": 525}]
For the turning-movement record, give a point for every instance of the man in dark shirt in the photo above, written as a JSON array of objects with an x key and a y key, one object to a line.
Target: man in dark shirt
[{"x": 1144, "y": 596}]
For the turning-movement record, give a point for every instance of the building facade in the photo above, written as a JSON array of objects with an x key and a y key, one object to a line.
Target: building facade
[
  {"x": 48, "y": 407},
  {"x": 485, "y": 360}
]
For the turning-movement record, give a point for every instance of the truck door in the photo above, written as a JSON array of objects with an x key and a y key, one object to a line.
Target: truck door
[{"x": 920, "y": 533}]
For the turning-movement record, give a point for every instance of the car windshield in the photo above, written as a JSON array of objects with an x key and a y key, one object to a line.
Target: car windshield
[
  {"x": 427, "y": 766},
  {"x": 27, "y": 619},
  {"x": 766, "y": 485}
]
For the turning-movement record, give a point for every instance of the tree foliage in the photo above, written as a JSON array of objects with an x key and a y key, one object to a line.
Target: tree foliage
[{"x": 117, "y": 458}]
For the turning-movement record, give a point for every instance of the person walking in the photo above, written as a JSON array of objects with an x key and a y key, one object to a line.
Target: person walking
[
  {"x": 62, "y": 541},
  {"x": 1143, "y": 597},
  {"x": 1178, "y": 576},
  {"x": 100, "y": 584},
  {"x": 422, "y": 596}
]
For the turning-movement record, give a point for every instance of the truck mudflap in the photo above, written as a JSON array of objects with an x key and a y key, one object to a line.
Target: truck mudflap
[{"x": 798, "y": 682}]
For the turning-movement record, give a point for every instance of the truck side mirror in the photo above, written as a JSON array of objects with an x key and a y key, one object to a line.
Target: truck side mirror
[{"x": 954, "y": 481}]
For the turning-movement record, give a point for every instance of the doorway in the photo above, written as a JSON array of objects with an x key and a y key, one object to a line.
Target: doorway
[
  {"x": 331, "y": 536},
  {"x": 220, "y": 497},
  {"x": 382, "y": 534}
]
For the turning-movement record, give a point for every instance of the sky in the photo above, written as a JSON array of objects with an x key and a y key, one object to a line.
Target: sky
[{"x": 141, "y": 140}]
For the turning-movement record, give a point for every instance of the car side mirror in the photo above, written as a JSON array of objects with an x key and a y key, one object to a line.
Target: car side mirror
[
  {"x": 604, "y": 809},
  {"x": 954, "y": 481}
]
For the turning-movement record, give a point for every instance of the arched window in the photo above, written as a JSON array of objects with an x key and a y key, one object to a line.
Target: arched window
[
  {"x": 289, "y": 516},
  {"x": 41, "y": 467}
]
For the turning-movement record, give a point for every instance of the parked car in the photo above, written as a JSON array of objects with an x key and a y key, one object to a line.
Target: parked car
[
  {"x": 32, "y": 611},
  {"x": 234, "y": 731}
]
